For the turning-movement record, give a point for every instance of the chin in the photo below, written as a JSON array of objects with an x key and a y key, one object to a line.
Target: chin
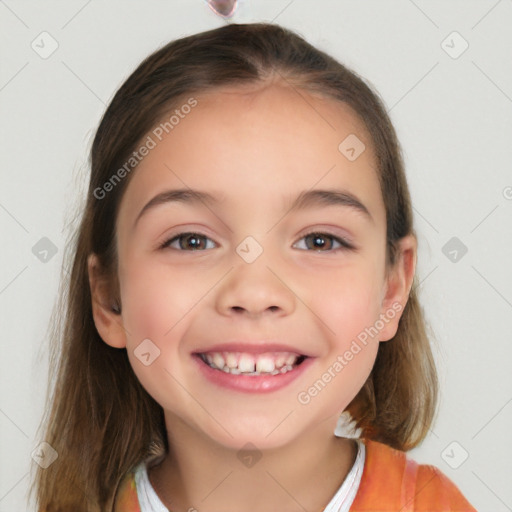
[{"x": 264, "y": 434}]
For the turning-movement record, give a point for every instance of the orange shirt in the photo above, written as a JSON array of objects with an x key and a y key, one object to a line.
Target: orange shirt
[{"x": 391, "y": 482}]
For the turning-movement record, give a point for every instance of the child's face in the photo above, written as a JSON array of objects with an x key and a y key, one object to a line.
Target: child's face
[{"x": 255, "y": 153}]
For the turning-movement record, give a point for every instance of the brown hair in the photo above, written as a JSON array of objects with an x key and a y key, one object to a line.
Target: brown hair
[{"x": 101, "y": 421}]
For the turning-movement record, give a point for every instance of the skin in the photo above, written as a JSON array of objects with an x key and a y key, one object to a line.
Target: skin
[{"x": 257, "y": 148}]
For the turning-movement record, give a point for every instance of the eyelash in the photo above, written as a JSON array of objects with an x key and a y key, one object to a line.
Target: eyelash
[{"x": 344, "y": 244}]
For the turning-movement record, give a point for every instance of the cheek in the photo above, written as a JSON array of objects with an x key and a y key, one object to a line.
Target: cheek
[
  {"x": 155, "y": 298},
  {"x": 348, "y": 300},
  {"x": 155, "y": 302},
  {"x": 348, "y": 308}
]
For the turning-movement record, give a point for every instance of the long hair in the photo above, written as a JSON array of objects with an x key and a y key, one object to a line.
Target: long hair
[{"x": 99, "y": 418}]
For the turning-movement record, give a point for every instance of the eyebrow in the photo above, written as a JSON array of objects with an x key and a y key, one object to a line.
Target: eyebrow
[{"x": 306, "y": 199}]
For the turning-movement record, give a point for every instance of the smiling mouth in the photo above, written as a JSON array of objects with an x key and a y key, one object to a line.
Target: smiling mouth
[{"x": 245, "y": 364}]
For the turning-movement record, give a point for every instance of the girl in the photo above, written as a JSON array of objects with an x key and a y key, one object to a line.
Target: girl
[{"x": 212, "y": 376}]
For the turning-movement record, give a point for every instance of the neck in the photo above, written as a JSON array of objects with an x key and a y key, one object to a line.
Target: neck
[{"x": 200, "y": 475}]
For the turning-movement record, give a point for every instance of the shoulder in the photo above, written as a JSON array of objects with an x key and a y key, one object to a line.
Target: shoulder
[
  {"x": 393, "y": 481},
  {"x": 126, "y": 497},
  {"x": 434, "y": 488}
]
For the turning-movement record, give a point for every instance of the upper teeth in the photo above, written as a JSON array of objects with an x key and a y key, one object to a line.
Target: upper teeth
[{"x": 243, "y": 362}]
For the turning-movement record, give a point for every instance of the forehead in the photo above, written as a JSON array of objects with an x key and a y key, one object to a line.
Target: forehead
[
  {"x": 258, "y": 140},
  {"x": 285, "y": 111}
]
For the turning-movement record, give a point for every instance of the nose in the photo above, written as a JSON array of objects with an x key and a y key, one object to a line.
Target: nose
[{"x": 254, "y": 289}]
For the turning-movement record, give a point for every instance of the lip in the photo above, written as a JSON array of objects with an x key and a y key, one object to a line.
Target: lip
[
  {"x": 251, "y": 348},
  {"x": 251, "y": 383}
]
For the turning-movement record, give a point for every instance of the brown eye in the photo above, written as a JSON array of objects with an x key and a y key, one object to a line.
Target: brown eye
[
  {"x": 323, "y": 242},
  {"x": 187, "y": 242}
]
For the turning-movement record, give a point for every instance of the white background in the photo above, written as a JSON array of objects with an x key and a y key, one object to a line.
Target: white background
[{"x": 453, "y": 117}]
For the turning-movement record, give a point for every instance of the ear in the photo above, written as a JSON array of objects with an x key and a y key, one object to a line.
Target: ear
[
  {"x": 398, "y": 286},
  {"x": 105, "y": 311}
]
